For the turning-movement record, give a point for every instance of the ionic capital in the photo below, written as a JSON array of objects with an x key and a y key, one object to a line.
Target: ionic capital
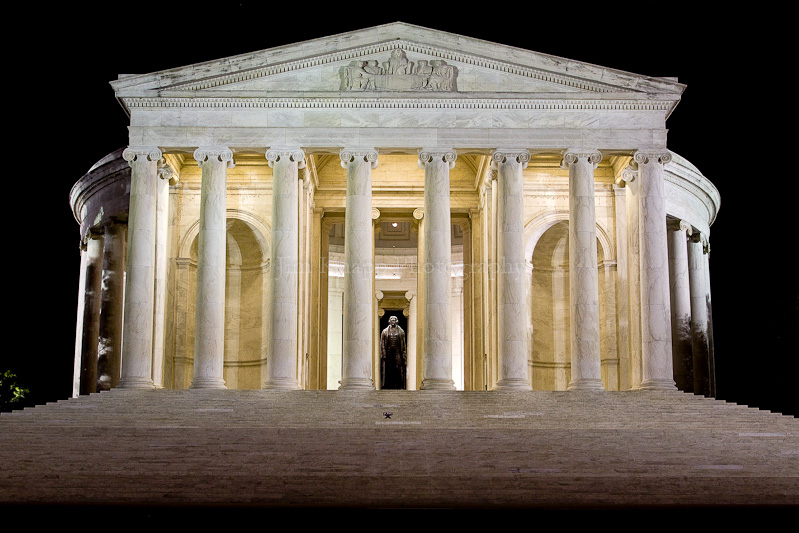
[
  {"x": 222, "y": 154},
  {"x": 680, "y": 225},
  {"x": 572, "y": 155},
  {"x": 296, "y": 155},
  {"x": 418, "y": 213},
  {"x": 628, "y": 175},
  {"x": 651, "y": 156},
  {"x": 432, "y": 154},
  {"x": 375, "y": 213},
  {"x": 165, "y": 172},
  {"x": 501, "y": 155},
  {"x": 701, "y": 238},
  {"x": 349, "y": 155},
  {"x": 151, "y": 153}
]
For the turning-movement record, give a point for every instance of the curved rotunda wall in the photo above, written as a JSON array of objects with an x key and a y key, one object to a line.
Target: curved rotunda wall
[{"x": 102, "y": 194}]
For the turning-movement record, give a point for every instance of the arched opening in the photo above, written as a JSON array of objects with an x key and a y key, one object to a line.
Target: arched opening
[
  {"x": 550, "y": 312},
  {"x": 245, "y": 324}
]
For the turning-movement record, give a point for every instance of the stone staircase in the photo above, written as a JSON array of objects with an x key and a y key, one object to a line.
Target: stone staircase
[{"x": 326, "y": 449}]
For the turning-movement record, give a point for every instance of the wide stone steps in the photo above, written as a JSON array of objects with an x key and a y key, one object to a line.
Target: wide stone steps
[{"x": 437, "y": 449}]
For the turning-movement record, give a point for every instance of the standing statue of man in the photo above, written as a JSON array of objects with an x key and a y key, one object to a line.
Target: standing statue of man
[{"x": 393, "y": 356}]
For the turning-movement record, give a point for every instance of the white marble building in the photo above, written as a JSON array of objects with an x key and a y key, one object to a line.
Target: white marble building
[{"x": 521, "y": 212}]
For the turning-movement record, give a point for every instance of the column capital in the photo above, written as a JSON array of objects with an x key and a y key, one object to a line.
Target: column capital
[
  {"x": 651, "y": 156},
  {"x": 572, "y": 155},
  {"x": 221, "y": 153},
  {"x": 368, "y": 155},
  {"x": 428, "y": 155},
  {"x": 296, "y": 155},
  {"x": 410, "y": 295},
  {"x": 418, "y": 213},
  {"x": 681, "y": 225},
  {"x": 165, "y": 172},
  {"x": 151, "y": 153},
  {"x": 628, "y": 175},
  {"x": 501, "y": 155}
]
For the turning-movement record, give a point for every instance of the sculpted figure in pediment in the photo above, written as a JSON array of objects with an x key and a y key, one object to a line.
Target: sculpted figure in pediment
[{"x": 398, "y": 74}]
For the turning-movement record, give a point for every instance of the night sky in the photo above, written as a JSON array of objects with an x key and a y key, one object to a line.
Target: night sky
[{"x": 62, "y": 117}]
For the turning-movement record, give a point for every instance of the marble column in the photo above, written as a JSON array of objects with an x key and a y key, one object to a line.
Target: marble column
[
  {"x": 91, "y": 313},
  {"x": 165, "y": 173},
  {"x": 657, "y": 369},
  {"x": 410, "y": 341},
  {"x": 632, "y": 203},
  {"x": 700, "y": 345},
  {"x": 281, "y": 364},
  {"x": 437, "y": 327},
  {"x": 209, "y": 325},
  {"x": 358, "y": 269},
  {"x": 586, "y": 363},
  {"x": 678, "y": 232},
  {"x": 110, "y": 332},
  {"x": 511, "y": 271},
  {"x": 137, "y": 337}
]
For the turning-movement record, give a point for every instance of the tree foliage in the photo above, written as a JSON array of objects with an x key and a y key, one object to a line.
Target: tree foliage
[{"x": 12, "y": 392}]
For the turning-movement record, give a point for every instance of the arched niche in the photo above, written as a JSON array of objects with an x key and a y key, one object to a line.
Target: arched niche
[
  {"x": 246, "y": 278},
  {"x": 549, "y": 337}
]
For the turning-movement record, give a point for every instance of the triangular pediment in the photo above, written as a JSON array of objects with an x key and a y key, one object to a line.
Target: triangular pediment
[{"x": 396, "y": 60}]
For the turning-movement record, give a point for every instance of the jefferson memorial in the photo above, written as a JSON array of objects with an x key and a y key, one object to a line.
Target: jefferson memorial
[{"x": 520, "y": 215}]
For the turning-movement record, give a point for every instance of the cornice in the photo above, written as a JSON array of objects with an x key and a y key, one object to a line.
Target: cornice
[{"x": 383, "y": 102}]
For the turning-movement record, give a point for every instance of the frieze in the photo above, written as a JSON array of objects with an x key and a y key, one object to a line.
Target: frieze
[{"x": 398, "y": 73}]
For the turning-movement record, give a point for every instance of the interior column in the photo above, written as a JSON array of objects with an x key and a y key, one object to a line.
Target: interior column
[
  {"x": 511, "y": 271},
  {"x": 586, "y": 363},
  {"x": 281, "y": 364},
  {"x": 356, "y": 371},
  {"x": 437, "y": 326}
]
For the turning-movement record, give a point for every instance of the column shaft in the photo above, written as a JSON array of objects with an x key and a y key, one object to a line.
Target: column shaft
[
  {"x": 358, "y": 270},
  {"x": 680, "y": 305},
  {"x": 137, "y": 338},
  {"x": 91, "y": 314},
  {"x": 437, "y": 327},
  {"x": 281, "y": 364},
  {"x": 511, "y": 272},
  {"x": 699, "y": 329},
  {"x": 110, "y": 334},
  {"x": 209, "y": 326},
  {"x": 586, "y": 363},
  {"x": 656, "y": 352}
]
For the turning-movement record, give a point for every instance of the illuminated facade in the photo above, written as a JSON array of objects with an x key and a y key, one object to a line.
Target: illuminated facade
[{"x": 520, "y": 214}]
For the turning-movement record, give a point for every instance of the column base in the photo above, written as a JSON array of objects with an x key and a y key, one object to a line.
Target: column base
[
  {"x": 356, "y": 384},
  {"x": 135, "y": 383},
  {"x": 513, "y": 385},
  {"x": 586, "y": 384},
  {"x": 281, "y": 384},
  {"x": 208, "y": 383},
  {"x": 437, "y": 384},
  {"x": 658, "y": 384}
]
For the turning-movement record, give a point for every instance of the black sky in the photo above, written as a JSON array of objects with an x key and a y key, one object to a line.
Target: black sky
[{"x": 733, "y": 123}]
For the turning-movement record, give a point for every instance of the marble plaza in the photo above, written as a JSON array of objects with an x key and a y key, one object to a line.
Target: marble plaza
[{"x": 521, "y": 214}]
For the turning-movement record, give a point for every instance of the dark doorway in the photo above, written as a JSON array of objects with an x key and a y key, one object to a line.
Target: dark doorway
[{"x": 386, "y": 381}]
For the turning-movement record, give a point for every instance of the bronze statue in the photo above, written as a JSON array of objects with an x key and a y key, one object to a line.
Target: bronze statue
[{"x": 393, "y": 356}]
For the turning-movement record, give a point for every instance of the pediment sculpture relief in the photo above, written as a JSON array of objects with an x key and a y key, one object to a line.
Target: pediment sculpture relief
[{"x": 399, "y": 74}]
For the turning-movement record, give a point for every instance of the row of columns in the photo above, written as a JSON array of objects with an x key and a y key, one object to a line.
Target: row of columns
[
  {"x": 281, "y": 370},
  {"x": 690, "y": 309}
]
